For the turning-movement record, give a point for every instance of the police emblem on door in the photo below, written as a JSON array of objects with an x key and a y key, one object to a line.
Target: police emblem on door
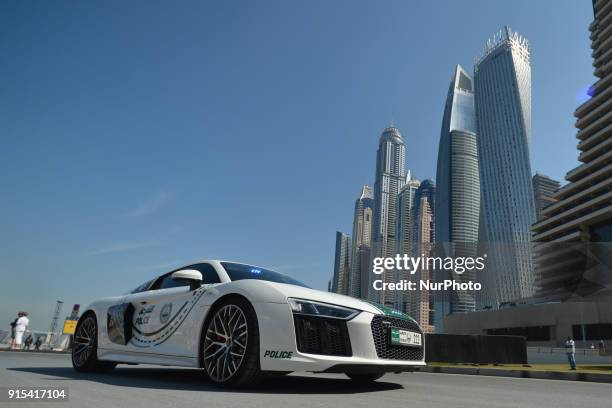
[{"x": 164, "y": 315}]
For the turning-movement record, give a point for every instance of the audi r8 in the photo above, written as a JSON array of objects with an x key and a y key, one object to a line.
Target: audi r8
[{"x": 240, "y": 323}]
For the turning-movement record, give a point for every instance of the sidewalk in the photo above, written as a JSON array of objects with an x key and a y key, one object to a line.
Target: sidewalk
[
  {"x": 32, "y": 351},
  {"x": 591, "y": 373}
]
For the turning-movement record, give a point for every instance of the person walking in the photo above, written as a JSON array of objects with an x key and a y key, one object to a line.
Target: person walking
[
  {"x": 28, "y": 342},
  {"x": 602, "y": 347},
  {"x": 13, "y": 324},
  {"x": 38, "y": 343},
  {"x": 570, "y": 351},
  {"x": 20, "y": 328}
]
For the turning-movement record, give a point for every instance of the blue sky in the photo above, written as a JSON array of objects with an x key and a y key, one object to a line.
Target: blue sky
[{"x": 137, "y": 136}]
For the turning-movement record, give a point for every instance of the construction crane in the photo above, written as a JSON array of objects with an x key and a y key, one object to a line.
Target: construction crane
[{"x": 56, "y": 314}]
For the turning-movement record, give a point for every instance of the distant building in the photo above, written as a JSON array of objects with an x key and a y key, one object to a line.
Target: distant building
[
  {"x": 407, "y": 231},
  {"x": 427, "y": 189},
  {"x": 362, "y": 241},
  {"x": 364, "y": 270},
  {"x": 457, "y": 191},
  {"x": 340, "y": 281},
  {"x": 544, "y": 189},
  {"x": 390, "y": 178},
  {"x": 421, "y": 302},
  {"x": 546, "y": 324},
  {"x": 502, "y": 84},
  {"x": 573, "y": 250},
  {"x": 407, "y": 216}
]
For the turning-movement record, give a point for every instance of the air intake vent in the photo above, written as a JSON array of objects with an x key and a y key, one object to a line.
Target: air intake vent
[{"x": 317, "y": 335}]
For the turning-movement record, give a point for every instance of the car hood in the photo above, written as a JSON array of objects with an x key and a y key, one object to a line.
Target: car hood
[{"x": 266, "y": 291}]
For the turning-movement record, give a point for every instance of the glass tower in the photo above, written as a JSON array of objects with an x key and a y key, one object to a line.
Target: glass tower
[
  {"x": 362, "y": 241},
  {"x": 502, "y": 79},
  {"x": 457, "y": 202},
  {"x": 340, "y": 281}
]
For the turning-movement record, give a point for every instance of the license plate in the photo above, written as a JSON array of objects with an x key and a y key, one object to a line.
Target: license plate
[{"x": 401, "y": 337}]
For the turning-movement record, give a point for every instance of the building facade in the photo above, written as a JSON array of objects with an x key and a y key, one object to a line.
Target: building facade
[
  {"x": 362, "y": 242},
  {"x": 546, "y": 324},
  {"x": 502, "y": 85},
  {"x": 457, "y": 202},
  {"x": 340, "y": 281},
  {"x": 427, "y": 190},
  {"x": 574, "y": 237},
  {"x": 389, "y": 180},
  {"x": 421, "y": 302},
  {"x": 544, "y": 189},
  {"x": 407, "y": 234}
]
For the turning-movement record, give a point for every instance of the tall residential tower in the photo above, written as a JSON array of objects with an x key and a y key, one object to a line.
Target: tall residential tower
[
  {"x": 407, "y": 234},
  {"x": 390, "y": 178},
  {"x": 362, "y": 242},
  {"x": 502, "y": 84},
  {"x": 574, "y": 235},
  {"x": 544, "y": 189},
  {"x": 340, "y": 281}
]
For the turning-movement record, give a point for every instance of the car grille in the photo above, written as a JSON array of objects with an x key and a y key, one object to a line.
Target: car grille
[
  {"x": 319, "y": 335},
  {"x": 384, "y": 349}
]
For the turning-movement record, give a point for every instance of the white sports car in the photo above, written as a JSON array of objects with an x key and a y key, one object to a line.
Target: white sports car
[{"x": 240, "y": 323}]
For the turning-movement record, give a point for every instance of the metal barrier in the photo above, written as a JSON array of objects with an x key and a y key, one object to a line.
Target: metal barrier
[{"x": 475, "y": 349}]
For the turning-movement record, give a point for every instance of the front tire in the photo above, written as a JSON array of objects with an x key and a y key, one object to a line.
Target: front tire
[
  {"x": 85, "y": 347},
  {"x": 230, "y": 345},
  {"x": 364, "y": 378}
]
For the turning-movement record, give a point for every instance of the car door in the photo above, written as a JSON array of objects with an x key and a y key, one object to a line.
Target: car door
[{"x": 163, "y": 320}]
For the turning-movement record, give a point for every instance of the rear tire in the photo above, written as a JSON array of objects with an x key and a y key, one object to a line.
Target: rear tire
[
  {"x": 364, "y": 378},
  {"x": 85, "y": 347},
  {"x": 230, "y": 345}
]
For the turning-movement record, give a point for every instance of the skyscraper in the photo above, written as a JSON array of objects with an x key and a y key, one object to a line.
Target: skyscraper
[
  {"x": 544, "y": 189},
  {"x": 457, "y": 202},
  {"x": 573, "y": 237},
  {"x": 340, "y": 280},
  {"x": 421, "y": 302},
  {"x": 407, "y": 215},
  {"x": 407, "y": 233},
  {"x": 502, "y": 83},
  {"x": 390, "y": 178},
  {"x": 362, "y": 241},
  {"x": 427, "y": 190}
]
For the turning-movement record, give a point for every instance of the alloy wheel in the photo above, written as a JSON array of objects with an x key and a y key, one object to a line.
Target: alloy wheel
[
  {"x": 84, "y": 341},
  {"x": 225, "y": 344}
]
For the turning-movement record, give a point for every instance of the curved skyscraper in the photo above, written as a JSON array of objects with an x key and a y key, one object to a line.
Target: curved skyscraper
[
  {"x": 390, "y": 178},
  {"x": 502, "y": 79},
  {"x": 457, "y": 202}
]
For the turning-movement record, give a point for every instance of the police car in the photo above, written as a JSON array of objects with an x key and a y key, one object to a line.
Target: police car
[{"x": 240, "y": 323}]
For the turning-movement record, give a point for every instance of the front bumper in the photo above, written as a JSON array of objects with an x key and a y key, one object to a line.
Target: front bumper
[{"x": 368, "y": 351}]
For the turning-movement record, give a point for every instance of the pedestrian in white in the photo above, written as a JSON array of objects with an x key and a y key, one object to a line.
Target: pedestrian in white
[
  {"x": 570, "y": 350},
  {"x": 20, "y": 328}
]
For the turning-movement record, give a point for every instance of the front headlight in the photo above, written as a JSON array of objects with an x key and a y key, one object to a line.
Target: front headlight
[{"x": 312, "y": 308}]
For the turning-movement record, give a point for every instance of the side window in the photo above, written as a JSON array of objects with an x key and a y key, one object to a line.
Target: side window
[
  {"x": 167, "y": 282},
  {"x": 144, "y": 287},
  {"x": 209, "y": 274}
]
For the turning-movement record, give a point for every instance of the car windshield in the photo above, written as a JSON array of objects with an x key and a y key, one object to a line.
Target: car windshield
[{"x": 241, "y": 271}]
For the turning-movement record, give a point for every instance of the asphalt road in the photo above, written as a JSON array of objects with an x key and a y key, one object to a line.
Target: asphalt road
[{"x": 148, "y": 387}]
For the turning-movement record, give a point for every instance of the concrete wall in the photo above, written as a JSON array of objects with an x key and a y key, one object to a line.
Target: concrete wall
[{"x": 560, "y": 316}]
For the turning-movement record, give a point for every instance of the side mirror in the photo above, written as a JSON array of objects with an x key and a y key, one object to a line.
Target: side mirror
[{"x": 190, "y": 276}]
